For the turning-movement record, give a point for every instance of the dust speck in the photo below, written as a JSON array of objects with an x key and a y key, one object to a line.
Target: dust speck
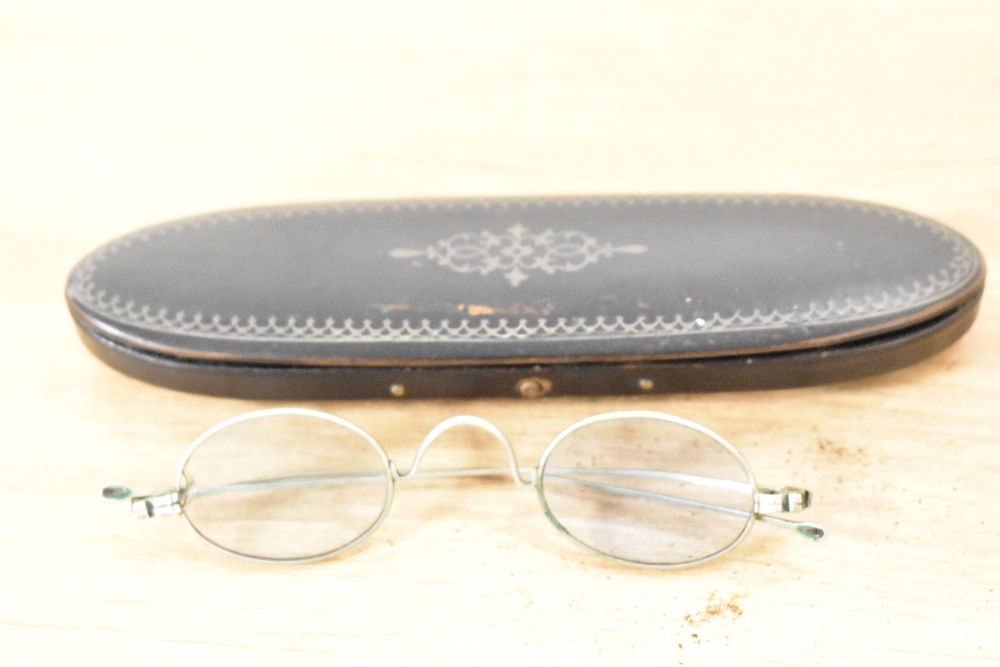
[
  {"x": 832, "y": 449},
  {"x": 715, "y": 610}
]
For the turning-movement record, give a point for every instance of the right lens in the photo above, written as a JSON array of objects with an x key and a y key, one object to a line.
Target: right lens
[
  {"x": 647, "y": 488},
  {"x": 285, "y": 484}
]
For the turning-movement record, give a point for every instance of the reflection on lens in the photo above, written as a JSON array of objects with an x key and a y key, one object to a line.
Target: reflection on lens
[
  {"x": 284, "y": 486},
  {"x": 647, "y": 490}
]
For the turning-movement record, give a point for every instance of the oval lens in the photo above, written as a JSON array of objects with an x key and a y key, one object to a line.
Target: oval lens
[
  {"x": 284, "y": 485},
  {"x": 652, "y": 489}
]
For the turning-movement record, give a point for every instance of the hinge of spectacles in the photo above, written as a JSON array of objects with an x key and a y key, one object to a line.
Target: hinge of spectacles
[
  {"x": 146, "y": 507},
  {"x": 788, "y": 499}
]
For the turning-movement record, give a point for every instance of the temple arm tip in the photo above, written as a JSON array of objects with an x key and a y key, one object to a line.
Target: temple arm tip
[{"x": 813, "y": 531}]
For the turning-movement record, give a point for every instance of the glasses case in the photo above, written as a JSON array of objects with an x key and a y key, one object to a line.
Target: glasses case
[{"x": 526, "y": 297}]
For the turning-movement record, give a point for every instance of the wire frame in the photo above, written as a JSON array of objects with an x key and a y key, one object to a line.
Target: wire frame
[
  {"x": 302, "y": 412},
  {"x": 726, "y": 472},
  {"x": 642, "y": 414}
]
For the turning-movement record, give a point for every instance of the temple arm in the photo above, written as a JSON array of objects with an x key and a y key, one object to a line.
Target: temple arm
[{"x": 145, "y": 505}]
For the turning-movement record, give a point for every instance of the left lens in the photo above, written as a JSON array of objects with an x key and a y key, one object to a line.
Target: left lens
[
  {"x": 647, "y": 488},
  {"x": 285, "y": 485}
]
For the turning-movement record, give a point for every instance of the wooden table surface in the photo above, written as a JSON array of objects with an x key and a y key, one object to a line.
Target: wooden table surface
[{"x": 115, "y": 115}]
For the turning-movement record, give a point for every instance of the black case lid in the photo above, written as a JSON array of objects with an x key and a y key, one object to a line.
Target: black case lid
[{"x": 539, "y": 280}]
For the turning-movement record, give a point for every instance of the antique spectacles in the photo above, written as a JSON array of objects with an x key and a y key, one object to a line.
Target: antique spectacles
[{"x": 644, "y": 488}]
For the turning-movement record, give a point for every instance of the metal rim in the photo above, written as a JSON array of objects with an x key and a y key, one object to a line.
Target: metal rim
[
  {"x": 642, "y": 414},
  {"x": 302, "y": 412}
]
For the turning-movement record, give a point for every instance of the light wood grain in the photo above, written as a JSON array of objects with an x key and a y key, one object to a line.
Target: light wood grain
[{"x": 118, "y": 115}]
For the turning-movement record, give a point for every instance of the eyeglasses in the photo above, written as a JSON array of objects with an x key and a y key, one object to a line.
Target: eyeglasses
[{"x": 643, "y": 488}]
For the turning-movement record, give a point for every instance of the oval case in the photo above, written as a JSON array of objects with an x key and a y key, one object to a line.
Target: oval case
[{"x": 526, "y": 297}]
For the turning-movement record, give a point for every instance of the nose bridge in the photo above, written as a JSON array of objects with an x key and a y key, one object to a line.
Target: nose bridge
[{"x": 467, "y": 420}]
